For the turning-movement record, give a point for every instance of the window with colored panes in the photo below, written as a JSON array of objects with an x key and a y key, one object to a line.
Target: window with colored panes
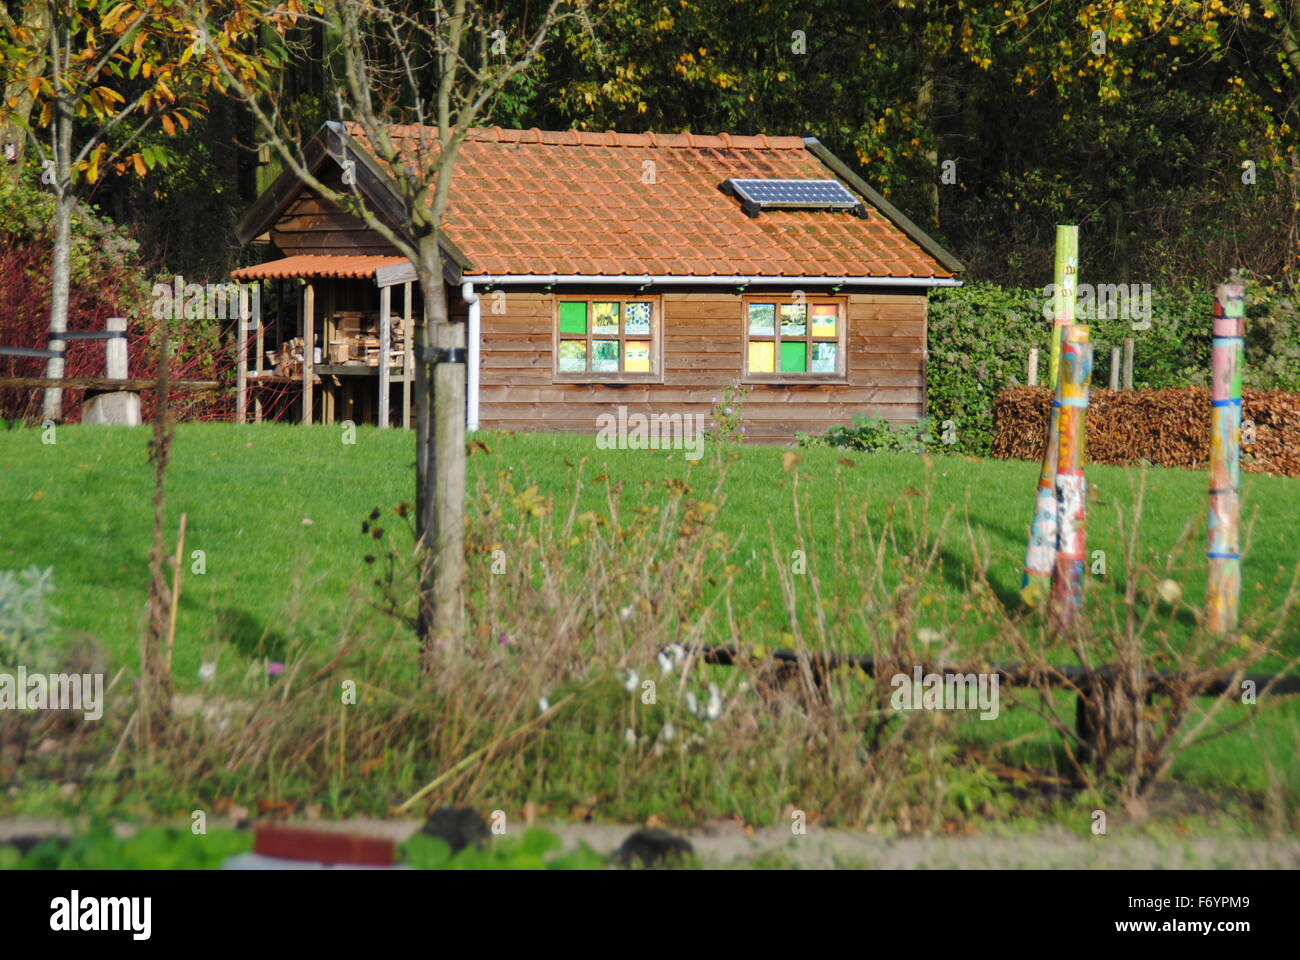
[
  {"x": 613, "y": 337},
  {"x": 794, "y": 338}
]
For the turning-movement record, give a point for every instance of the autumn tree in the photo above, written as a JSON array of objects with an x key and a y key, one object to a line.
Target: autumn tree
[
  {"x": 104, "y": 69},
  {"x": 442, "y": 67}
]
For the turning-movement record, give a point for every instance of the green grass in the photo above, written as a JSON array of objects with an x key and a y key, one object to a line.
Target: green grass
[{"x": 83, "y": 507}]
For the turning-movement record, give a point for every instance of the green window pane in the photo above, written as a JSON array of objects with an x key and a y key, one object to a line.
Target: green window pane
[
  {"x": 762, "y": 319},
  {"x": 573, "y": 317},
  {"x": 794, "y": 319},
  {"x": 573, "y": 356},
  {"x": 823, "y": 357},
  {"x": 794, "y": 358},
  {"x": 604, "y": 318},
  {"x": 636, "y": 319},
  {"x": 604, "y": 356}
]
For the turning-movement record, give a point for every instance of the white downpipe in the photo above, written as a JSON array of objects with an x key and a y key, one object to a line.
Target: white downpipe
[{"x": 471, "y": 368}]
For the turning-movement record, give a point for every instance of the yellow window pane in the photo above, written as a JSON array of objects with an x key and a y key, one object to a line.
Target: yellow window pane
[
  {"x": 824, "y": 317},
  {"x": 636, "y": 356},
  {"x": 762, "y": 357}
]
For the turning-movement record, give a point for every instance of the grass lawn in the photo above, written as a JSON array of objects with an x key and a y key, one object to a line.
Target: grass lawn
[{"x": 277, "y": 511}]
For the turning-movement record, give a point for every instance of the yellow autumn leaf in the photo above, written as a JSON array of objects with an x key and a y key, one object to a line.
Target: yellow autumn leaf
[
  {"x": 168, "y": 125},
  {"x": 140, "y": 168}
]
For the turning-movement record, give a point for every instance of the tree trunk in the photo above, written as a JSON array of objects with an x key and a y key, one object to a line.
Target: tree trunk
[
  {"x": 64, "y": 202},
  {"x": 14, "y": 120},
  {"x": 925, "y": 120},
  {"x": 440, "y": 458}
]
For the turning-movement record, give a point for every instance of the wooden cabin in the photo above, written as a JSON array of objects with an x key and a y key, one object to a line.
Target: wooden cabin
[{"x": 599, "y": 270}]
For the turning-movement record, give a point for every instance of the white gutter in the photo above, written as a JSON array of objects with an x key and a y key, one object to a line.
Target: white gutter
[
  {"x": 471, "y": 368},
  {"x": 537, "y": 279}
]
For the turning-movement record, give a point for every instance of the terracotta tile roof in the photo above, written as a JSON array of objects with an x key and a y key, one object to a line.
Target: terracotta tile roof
[
  {"x": 574, "y": 202},
  {"x": 305, "y": 265}
]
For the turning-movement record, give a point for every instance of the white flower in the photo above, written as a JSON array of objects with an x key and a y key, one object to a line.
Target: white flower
[
  {"x": 543, "y": 705},
  {"x": 691, "y": 705},
  {"x": 630, "y": 736},
  {"x": 713, "y": 709},
  {"x": 625, "y": 613},
  {"x": 665, "y": 663},
  {"x": 678, "y": 652},
  {"x": 207, "y": 671},
  {"x": 632, "y": 681},
  {"x": 667, "y": 732},
  {"x": 927, "y": 635}
]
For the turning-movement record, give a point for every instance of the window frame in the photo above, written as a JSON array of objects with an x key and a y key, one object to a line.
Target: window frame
[
  {"x": 841, "y": 339},
  {"x": 656, "y": 338}
]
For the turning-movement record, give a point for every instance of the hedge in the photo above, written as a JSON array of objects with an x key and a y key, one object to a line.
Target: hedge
[{"x": 1170, "y": 428}]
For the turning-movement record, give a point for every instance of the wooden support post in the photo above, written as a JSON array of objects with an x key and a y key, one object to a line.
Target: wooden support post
[
  {"x": 385, "y": 344},
  {"x": 241, "y": 368},
  {"x": 260, "y": 364},
  {"x": 408, "y": 356},
  {"x": 1114, "y": 368},
  {"x": 1128, "y": 363},
  {"x": 308, "y": 347},
  {"x": 1223, "y": 588},
  {"x": 1031, "y": 368}
]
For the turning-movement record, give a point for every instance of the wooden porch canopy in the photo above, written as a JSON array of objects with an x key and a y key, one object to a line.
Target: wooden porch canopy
[
  {"x": 317, "y": 265},
  {"x": 386, "y": 271}
]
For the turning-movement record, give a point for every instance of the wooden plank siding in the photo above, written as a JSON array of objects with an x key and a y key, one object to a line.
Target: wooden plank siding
[
  {"x": 313, "y": 225},
  {"x": 703, "y": 345}
]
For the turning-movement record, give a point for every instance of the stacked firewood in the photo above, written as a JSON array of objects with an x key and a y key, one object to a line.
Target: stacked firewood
[
  {"x": 287, "y": 361},
  {"x": 1170, "y": 428}
]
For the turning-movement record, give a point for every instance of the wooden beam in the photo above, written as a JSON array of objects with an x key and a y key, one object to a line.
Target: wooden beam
[
  {"x": 385, "y": 342},
  {"x": 308, "y": 347},
  {"x": 241, "y": 369},
  {"x": 261, "y": 360},
  {"x": 107, "y": 383},
  {"x": 408, "y": 357}
]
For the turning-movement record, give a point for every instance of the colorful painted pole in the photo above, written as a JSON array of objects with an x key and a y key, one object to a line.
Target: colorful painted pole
[
  {"x": 1071, "y": 487},
  {"x": 1040, "y": 555},
  {"x": 1065, "y": 279},
  {"x": 1224, "y": 587}
]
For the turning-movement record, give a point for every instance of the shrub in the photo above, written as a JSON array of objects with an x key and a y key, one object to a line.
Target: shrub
[
  {"x": 872, "y": 433},
  {"x": 980, "y": 336}
]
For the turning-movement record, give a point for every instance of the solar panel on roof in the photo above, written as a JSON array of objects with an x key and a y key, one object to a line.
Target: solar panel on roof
[{"x": 756, "y": 195}]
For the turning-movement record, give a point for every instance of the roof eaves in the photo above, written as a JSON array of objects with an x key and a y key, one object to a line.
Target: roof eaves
[{"x": 896, "y": 216}]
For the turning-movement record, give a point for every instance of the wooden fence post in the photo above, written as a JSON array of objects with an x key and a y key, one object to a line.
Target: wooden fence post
[
  {"x": 1031, "y": 368},
  {"x": 121, "y": 407},
  {"x": 1114, "y": 368},
  {"x": 1128, "y": 363}
]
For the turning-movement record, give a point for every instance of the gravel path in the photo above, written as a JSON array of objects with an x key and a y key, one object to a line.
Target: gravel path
[{"x": 729, "y": 845}]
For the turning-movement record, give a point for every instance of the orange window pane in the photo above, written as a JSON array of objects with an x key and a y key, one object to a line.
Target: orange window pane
[
  {"x": 824, "y": 317},
  {"x": 636, "y": 356}
]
